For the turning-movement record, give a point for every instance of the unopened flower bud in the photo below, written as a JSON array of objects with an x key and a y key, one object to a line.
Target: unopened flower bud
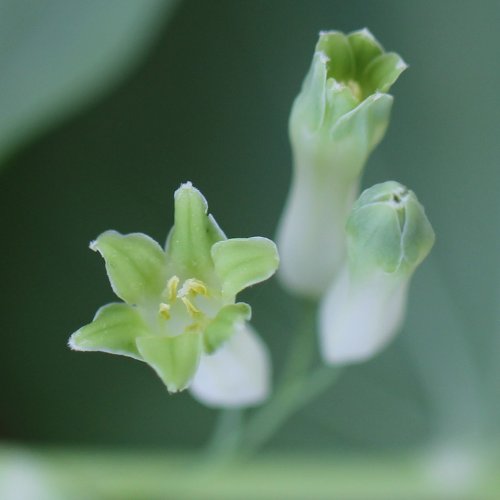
[
  {"x": 388, "y": 237},
  {"x": 337, "y": 119}
]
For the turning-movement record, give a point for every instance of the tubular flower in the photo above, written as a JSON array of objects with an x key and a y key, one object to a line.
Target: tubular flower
[
  {"x": 339, "y": 116},
  {"x": 180, "y": 313},
  {"x": 389, "y": 235}
]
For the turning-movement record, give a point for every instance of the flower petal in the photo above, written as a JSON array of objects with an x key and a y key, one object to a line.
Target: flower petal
[
  {"x": 228, "y": 320},
  {"x": 174, "y": 359},
  {"x": 358, "y": 318},
  {"x": 374, "y": 237},
  {"x": 365, "y": 48},
  {"x": 357, "y": 132},
  {"x": 135, "y": 263},
  {"x": 238, "y": 374},
  {"x": 114, "y": 330},
  {"x": 335, "y": 46},
  {"x": 241, "y": 262},
  {"x": 382, "y": 72},
  {"x": 193, "y": 234},
  {"x": 418, "y": 236}
]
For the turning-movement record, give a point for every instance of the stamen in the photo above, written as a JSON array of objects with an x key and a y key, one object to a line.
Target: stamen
[
  {"x": 172, "y": 285},
  {"x": 194, "y": 286},
  {"x": 355, "y": 89},
  {"x": 191, "y": 308},
  {"x": 164, "y": 311}
]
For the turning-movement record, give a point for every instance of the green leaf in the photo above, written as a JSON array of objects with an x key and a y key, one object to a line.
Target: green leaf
[
  {"x": 225, "y": 324},
  {"x": 193, "y": 234},
  {"x": 58, "y": 55},
  {"x": 174, "y": 359},
  {"x": 241, "y": 262},
  {"x": 136, "y": 265},
  {"x": 114, "y": 330}
]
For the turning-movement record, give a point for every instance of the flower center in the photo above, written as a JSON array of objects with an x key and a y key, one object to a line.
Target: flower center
[
  {"x": 355, "y": 88},
  {"x": 190, "y": 289}
]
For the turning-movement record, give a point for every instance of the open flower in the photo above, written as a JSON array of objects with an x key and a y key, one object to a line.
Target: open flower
[
  {"x": 389, "y": 235},
  {"x": 180, "y": 311},
  {"x": 338, "y": 118}
]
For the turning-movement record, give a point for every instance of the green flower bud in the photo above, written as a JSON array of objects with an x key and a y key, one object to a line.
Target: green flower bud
[
  {"x": 389, "y": 235},
  {"x": 388, "y": 230},
  {"x": 340, "y": 115},
  {"x": 180, "y": 303}
]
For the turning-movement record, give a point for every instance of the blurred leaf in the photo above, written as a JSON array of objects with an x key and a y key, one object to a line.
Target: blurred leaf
[{"x": 55, "y": 55}]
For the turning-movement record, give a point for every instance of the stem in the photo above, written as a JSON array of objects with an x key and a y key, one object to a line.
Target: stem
[
  {"x": 301, "y": 352},
  {"x": 226, "y": 435},
  {"x": 284, "y": 404},
  {"x": 296, "y": 387}
]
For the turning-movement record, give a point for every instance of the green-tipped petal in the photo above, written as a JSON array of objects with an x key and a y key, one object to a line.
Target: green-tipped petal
[
  {"x": 340, "y": 100},
  {"x": 241, "y": 262},
  {"x": 357, "y": 133},
  {"x": 335, "y": 46},
  {"x": 114, "y": 330},
  {"x": 365, "y": 48},
  {"x": 382, "y": 72},
  {"x": 227, "y": 322},
  {"x": 388, "y": 230},
  {"x": 376, "y": 232},
  {"x": 193, "y": 234},
  {"x": 174, "y": 359},
  {"x": 418, "y": 236},
  {"x": 309, "y": 107},
  {"x": 135, "y": 264}
]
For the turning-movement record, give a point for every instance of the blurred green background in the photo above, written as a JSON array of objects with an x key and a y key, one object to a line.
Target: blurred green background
[{"x": 201, "y": 91}]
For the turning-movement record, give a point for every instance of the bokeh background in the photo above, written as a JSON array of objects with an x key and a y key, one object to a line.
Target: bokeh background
[{"x": 107, "y": 106}]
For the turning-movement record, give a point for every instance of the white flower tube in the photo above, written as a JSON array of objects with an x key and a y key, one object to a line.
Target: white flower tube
[
  {"x": 388, "y": 235},
  {"x": 237, "y": 375},
  {"x": 337, "y": 119}
]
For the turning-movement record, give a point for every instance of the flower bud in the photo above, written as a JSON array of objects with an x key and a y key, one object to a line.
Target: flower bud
[
  {"x": 337, "y": 119},
  {"x": 389, "y": 235}
]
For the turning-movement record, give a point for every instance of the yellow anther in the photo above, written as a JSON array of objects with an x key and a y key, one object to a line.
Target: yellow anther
[
  {"x": 193, "y": 286},
  {"x": 355, "y": 88},
  {"x": 198, "y": 287},
  {"x": 192, "y": 328},
  {"x": 164, "y": 311},
  {"x": 191, "y": 308},
  {"x": 172, "y": 285}
]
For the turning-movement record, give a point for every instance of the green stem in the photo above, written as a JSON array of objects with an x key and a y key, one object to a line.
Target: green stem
[
  {"x": 291, "y": 398},
  {"x": 301, "y": 351},
  {"x": 296, "y": 387},
  {"x": 226, "y": 435}
]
